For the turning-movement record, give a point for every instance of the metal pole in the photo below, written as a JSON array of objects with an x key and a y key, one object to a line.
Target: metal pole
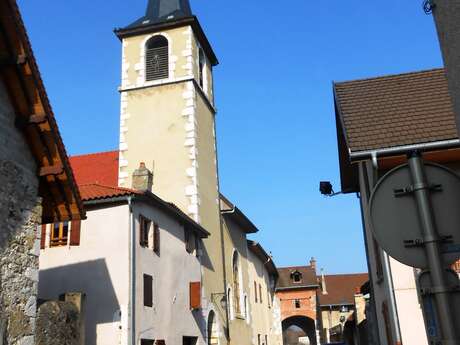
[{"x": 432, "y": 243}]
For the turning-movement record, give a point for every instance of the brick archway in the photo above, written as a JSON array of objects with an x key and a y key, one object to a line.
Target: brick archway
[{"x": 303, "y": 323}]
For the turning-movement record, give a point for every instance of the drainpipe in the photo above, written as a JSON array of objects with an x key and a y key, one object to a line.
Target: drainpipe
[
  {"x": 132, "y": 276},
  {"x": 394, "y": 307},
  {"x": 387, "y": 269}
]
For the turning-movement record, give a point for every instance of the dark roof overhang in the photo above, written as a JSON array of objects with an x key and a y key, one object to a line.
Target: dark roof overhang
[
  {"x": 171, "y": 24},
  {"x": 349, "y": 178},
  {"x": 299, "y": 287},
  {"x": 35, "y": 119},
  {"x": 260, "y": 252},
  {"x": 230, "y": 211}
]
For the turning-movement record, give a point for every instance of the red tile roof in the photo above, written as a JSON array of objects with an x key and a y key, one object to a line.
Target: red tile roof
[
  {"x": 396, "y": 110},
  {"x": 97, "y": 168},
  {"x": 96, "y": 191},
  {"x": 341, "y": 288}
]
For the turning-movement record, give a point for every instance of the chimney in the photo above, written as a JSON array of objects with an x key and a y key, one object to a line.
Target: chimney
[
  {"x": 323, "y": 283},
  {"x": 142, "y": 179},
  {"x": 313, "y": 263},
  {"x": 446, "y": 16}
]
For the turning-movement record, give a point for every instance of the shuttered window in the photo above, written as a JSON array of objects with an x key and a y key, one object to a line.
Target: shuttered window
[
  {"x": 144, "y": 227},
  {"x": 255, "y": 292},
  {"x": 148, "y": 290},
  {"x": 156, "y": 58},
  {"x": 156, "y": 238},
  {"x": 43, "y": 237},
  {"x": 195, "y": 295},
  {"x": 75, "y": 233}
]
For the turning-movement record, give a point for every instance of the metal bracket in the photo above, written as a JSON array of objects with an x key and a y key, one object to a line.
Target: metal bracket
[
  {"x": 419, "y": 242},
  {"x": 416, "y": 187}
]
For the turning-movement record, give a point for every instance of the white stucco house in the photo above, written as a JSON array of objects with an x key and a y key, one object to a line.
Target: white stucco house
[{"x": 136, "y": 258}]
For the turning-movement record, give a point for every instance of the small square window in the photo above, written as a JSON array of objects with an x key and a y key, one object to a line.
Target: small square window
[{"x": 297, "y": 303}]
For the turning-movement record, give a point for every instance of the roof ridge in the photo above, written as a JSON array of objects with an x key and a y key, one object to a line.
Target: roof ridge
[
  {"x": 346, "y": 274},
  {"x": 389, "y": 76},
  {"x": 94, "y": 154},
  {"x": 288, "y": 267},
  {"x": 111, "y": 187}
]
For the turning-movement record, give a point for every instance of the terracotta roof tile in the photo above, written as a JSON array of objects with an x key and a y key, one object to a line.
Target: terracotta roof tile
[
  {"x": 308, "y": 277},
  {"x": 96, "y": 191},
  {"x": 341, "y": 288},
  {"x": 396, "y": 110},
  {"x": 96, "y": 168}
]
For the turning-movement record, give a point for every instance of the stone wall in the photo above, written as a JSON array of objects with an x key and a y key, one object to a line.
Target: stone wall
[
  {"x": 58, "y": 323},
  {"x": 20, "y": 216}
]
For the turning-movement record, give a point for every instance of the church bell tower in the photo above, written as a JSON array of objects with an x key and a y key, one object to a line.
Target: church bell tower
[{"x": 168, "y": 118}]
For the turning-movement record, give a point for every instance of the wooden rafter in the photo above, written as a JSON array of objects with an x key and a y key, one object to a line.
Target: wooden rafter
[{"x": 34, "y": 117}]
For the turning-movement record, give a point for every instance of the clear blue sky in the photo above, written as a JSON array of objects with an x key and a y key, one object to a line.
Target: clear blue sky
[{"x": 276, "y": 129}]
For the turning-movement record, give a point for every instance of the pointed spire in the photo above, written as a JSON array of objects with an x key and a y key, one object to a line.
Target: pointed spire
[{"x": 162, "y": 11}]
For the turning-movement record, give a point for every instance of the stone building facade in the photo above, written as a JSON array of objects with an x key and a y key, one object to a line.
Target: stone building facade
[{"x": 33, "y": 166}]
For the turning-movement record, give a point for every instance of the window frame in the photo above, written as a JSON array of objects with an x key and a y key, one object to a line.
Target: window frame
[
  {"x": 60, "y": 240},
  {"x": 297, "y": 304},
  {"x": 163, "y": 74},
  {"x": 148, "y": 292},
  {"x": 144, "y": 230}
]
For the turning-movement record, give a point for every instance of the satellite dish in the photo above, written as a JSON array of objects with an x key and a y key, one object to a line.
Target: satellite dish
[{"x": 395, "y": 220}]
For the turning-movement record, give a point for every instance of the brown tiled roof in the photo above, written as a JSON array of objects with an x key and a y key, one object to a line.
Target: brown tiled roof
[
  {"x": 341, "y": 288},
  {"x": 396, "y": 110},
  {"x": 285, "y": 280}
]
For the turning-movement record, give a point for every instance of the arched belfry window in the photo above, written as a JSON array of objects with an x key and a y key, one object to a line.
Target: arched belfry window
[
  {"x": 156, "y": 58},
  {"x": 236, "y": 283}
]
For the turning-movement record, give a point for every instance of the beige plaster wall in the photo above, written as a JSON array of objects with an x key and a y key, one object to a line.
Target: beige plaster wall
[
  {"x": 266, "y": 316},
  {"x": 169, "y": 125},
  {"x": 235, "y": 240}
]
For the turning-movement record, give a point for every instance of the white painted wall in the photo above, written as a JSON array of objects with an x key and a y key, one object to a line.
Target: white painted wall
[
  {"x": 172, "y": 271},
  {"x": 99, "y": 267},
  {"x": 410, "y": 314}
]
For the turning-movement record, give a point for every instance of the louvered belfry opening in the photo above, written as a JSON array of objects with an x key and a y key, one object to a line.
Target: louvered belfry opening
[{"x": 157, "y": 58}]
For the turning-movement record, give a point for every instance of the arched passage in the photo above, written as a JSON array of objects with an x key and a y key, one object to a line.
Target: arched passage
[{"x": 299, "y": 330}]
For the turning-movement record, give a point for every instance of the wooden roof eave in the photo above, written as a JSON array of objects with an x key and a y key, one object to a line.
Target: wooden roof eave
[{"x": 34, "y": 117}]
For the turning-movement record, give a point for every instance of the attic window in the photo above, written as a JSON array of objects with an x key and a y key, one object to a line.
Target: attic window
[
  {"x": 157, "y": 58},
  {"x": 296, "y": 277}
]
